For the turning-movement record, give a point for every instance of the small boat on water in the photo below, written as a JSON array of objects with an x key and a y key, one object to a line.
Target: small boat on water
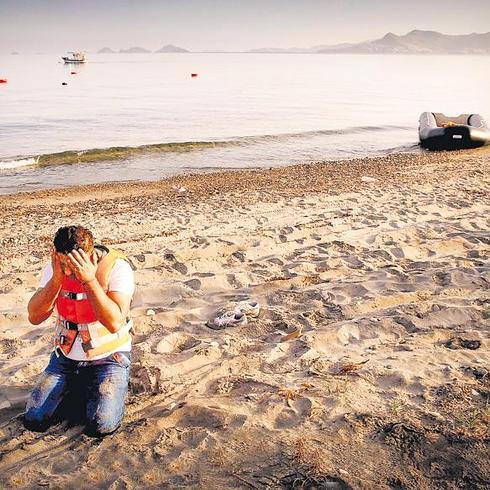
[
  {"x": 74, "y": 57},
  {"x": 440, "y": 132}
]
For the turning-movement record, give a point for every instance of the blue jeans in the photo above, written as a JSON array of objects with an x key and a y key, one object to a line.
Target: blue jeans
[{"x": 100, "y": 387}]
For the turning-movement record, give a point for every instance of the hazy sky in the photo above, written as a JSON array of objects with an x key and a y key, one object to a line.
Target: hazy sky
[{"x": 61, "y": 25}]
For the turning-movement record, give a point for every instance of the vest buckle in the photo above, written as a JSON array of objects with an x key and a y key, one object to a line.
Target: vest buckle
[{"x": 69, "y": 325}]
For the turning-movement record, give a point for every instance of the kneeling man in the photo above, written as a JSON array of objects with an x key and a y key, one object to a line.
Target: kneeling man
[{"x": 91, "y": 287}]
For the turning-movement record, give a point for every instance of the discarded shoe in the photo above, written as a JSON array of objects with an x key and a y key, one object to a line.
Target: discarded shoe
[
  {"x": 228, "y": 319},
  {"x": 249, "y": 308}
]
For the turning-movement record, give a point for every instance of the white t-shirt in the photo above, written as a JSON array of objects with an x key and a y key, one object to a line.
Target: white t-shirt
[{"x": 120, "y": 280}]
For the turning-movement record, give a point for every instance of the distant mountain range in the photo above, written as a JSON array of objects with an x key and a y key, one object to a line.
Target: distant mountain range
[
  {"x": 169, "y": 48},
  {"x": 106, "y": 51},
  {"x": 415, "y": 42},
  {"x": 135, "y": 50}
]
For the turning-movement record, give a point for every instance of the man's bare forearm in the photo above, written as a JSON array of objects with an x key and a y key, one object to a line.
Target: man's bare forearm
[
  {"x": 42, "y": 303},
  {"x": 107, "y": 311}
]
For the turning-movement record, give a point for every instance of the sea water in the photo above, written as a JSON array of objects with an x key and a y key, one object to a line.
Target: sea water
[{"x": 143, "y": 116}]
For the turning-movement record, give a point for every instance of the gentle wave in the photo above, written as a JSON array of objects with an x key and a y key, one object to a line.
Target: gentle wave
[
  {"x": 22, "y": 162},
  {"x": 122, "y": 152},
  {"x": 323, "y": 132},
  {"x": 105, "y": 154}
]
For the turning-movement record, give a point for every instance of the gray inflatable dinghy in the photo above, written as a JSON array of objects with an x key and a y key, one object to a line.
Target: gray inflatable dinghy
[{"x": 439, "y": 132}]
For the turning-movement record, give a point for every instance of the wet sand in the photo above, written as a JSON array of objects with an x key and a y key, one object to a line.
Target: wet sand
[{"x": 367, "y": 367}]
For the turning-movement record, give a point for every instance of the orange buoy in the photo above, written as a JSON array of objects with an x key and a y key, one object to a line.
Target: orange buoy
[
  {"x": 3, "y": 80},
  {"x": 193, "y": 75}
]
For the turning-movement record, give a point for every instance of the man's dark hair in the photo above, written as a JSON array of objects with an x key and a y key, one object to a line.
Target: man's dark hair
[{"x": 69, "y": 238}]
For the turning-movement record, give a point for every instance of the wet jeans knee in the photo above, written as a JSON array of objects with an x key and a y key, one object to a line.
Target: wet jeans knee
[
  {"x": 102, "y": 427},
  {"x": 36, "y": 420},
  {"x": 106, "y": 395}
]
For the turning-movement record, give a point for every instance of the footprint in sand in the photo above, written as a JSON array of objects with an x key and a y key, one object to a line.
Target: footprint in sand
[
  {"x": 176, "y": 342},
  {"x": 296, "y": 413},
  {"x": 199, "y": 242},
  {"x": 276, "y": 261},
  {"x": 145, "y": 260},
  {"x": 247, "y": 387},
  {"x": 239, "y": 255},
  {"x": 233, "y": 281},
  {"x": 140, "y": 258},
  {"x": 353, "y": 262},
  {"x": 208, "y": 417},
  {"x": 194, "y": 284},
  {"x": 183, "y": 220},
  {"x": 180, "y": 267},
  {"x": 442, "y": 279}
]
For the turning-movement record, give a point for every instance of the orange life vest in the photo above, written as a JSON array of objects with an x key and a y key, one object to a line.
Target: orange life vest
[{"x": 77, "y": 317}]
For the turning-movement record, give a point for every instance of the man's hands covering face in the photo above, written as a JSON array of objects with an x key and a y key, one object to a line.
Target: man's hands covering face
[{"x": 83, "y": 266}]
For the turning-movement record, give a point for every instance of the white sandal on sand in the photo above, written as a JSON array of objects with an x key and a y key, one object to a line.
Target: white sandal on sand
[
  {"x": 228, "y": 319},
  {"x": 249, "y": 308}
]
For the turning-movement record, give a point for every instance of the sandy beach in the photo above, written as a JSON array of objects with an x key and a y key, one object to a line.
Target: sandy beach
[{"x": 368, "y": 366}]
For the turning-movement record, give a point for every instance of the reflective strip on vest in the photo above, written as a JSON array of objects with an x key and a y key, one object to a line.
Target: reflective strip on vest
[
  {"x": 98, "y": 340},
  {"x": 71, "y": 295},
  {"x": 107, "y": 343},
  {"x": 109, "y": 347}
]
